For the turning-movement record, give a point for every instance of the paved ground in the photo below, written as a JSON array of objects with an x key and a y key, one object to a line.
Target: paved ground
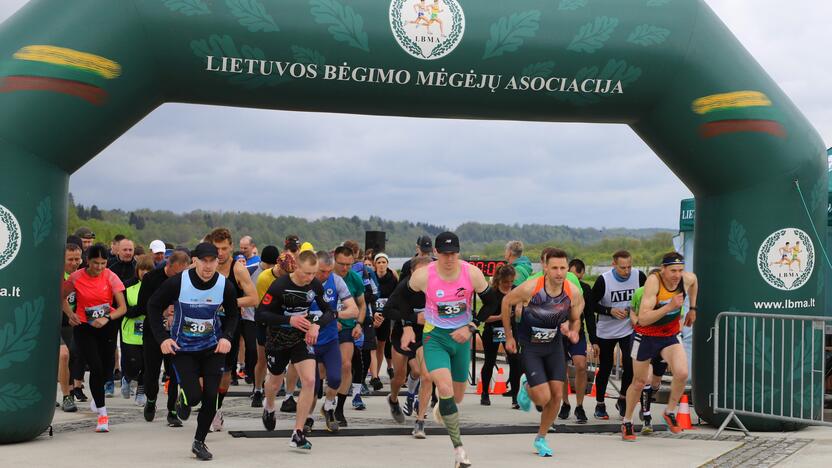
[{"x": 134, "y": 441}]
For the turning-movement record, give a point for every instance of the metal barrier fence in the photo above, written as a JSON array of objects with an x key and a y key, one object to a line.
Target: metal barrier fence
[{"x": 769, "y": 366}]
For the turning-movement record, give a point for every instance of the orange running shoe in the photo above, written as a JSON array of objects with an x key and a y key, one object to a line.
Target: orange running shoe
[
  {"x": 672, "y": 425},
  {"x": 627, "y": 434},
  {"x": 103, "y": 424}
]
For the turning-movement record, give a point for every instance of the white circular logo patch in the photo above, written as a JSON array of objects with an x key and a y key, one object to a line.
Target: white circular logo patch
[
  {"x": 440, "y": 293},
  {"x": 427, "y": 29},
  {"x": 9, "y": 237},
  {"x": 786, "y": 259}
]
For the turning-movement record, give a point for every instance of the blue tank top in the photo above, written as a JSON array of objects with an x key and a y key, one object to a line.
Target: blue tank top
[
  {"x": 541, "y": 319},
  {"x": 196, "y": 322},
  {"x": 329, "y": 333}
]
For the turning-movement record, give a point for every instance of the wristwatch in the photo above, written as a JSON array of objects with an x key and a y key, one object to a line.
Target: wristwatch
[{"x": 472, "y": 329}]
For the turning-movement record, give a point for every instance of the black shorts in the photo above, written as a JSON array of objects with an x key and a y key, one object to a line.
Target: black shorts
[
  {"x": 66, "y": 336},
  {"x": 647, "y": 348},
  {"x": 543, "y": 363},
  {"x": 370, "y": 341},
  {"x": 396, "y": 341},
  {"x": 345, "y": 336},
  {"x": 278, "y": 359},
  {"x": 261, "y": 335},
  {"x": 383, "y": 331}
]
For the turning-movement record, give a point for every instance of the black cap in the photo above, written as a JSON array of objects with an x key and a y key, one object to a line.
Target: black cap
[
  {"x": 205, "y": 249},
  {"x": 292, "y": 243},
  {"x": 269, "y": 255},
  {"x": 425, "y": 244},
  {"x": 85, "y": 233},
  {"x": 447, "y": 242}
]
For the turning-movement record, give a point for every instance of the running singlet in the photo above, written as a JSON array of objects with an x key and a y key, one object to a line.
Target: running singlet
[
  {"x": 335, "y": 290},
  {"x": 93, "y": 295},
  {"x": 617, "y": 294},
  {"x": 196, "y": 322},
  {"x": 670, "y": 324},
  {"x": 448, "y": 303},
  {"x": 132, "y": 329},
  {"x": 541, "y": 318}
]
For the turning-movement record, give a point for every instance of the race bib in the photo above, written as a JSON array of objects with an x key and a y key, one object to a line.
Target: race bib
[
  {"x": 543, "y": 335},
  {"x": 197, "y": 328},
  {"x": 499, "y": 335},
  {"x": 380, "y": 303},
  {"x": 451, "y": 309},
  {"x": 138, "y": 327},
  {"x": 97, "y": 312}
]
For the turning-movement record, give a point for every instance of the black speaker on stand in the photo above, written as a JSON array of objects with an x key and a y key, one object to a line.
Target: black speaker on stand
[{"x": 376, "y": 240}]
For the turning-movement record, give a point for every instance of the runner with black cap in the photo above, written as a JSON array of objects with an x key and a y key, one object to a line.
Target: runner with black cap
[
  {"x": 658, "y": 333},
  {"x": 449, "y": 285},
  {"x": 198, "y": 340},
  {"x": 424, "y": 248}
]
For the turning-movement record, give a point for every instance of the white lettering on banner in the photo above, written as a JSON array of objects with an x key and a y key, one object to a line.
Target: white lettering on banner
[{"x": 392, "y": 76}]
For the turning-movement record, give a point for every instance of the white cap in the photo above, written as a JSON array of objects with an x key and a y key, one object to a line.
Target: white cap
[{"x": 157, "y": 246}]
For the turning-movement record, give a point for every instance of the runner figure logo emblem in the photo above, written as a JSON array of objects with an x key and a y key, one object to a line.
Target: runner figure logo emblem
[
  {"x": 427, "y": 29},
  {"x": 9, "y": 237},
  {"x": 786, "y": 259}
]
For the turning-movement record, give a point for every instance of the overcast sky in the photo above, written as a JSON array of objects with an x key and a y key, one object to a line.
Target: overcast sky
[{"x": 593, "y": 163}]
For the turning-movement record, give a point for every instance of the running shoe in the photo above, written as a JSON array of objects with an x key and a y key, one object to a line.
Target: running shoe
[
  {"x": 514, "y": 405},
  {"x": 419, "y": 429},
  {"x": 307, "y": 426},
  {"x": 339, "y": 416},
  {"x": 407, "y": 409},
  {"x": 79, "y": 394},
  {"x": 647, "y": 427},
  {"x": 173, "y": 420},
  {"x": 289, "y": 405},
  {"x": 182, "y": 409},
  {"x": 358, "y": 403},
  {"x": 125, "y": 388},
  {"x": 103, "y": 424},
  {"x": 218, "y": 422},
  {"x": 375, "y": 382},
  {"x": 365, "y": 390},
  {"x": 523, "y": 396},
  {"x": 257, "y": 399},
  {"x": 110, "y": 389},
  {"x": 149, "y": 411},
  {"x": 396, "y": 411},
  {"x": 462, "y": 460},
  {"x": 542, "y": 448},
  {"x": 485, "y": 400},
  {"x": 564, "y": 412},
  {"x": 234, "y": 381},
  {"x": 329, "y": 420},
  {"x": 298, "y": 441},
  {"x": 627, "y": 434},
  {"x": 580, "y": 415},
  {"x": 269, "y": 420},
  {"x": 621, "y": 406},
  {"x": 200, "y": 450},
  {"x": 672, "y": 425},
  {"x": 141, "y": 398},
  {"x": 601, "y": 412},
  {"x": 68, "y": 404}
]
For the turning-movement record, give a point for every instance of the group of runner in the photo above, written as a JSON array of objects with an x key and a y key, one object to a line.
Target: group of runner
[{"x": 325, "y": 320}]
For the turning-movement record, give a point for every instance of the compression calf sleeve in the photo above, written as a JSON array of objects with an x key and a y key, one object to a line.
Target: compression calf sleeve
[{"x": 450, "y": 416}]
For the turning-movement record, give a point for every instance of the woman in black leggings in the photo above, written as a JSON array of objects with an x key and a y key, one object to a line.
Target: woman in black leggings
[
  {"x": 493, "y": 334},
  {"x": 96, "y": 288}
]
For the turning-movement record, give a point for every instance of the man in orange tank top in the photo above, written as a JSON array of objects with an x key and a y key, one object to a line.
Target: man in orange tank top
[{"x": 658, "y": 333}]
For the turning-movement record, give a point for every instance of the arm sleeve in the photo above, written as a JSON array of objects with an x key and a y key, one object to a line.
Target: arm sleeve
[
  {"x": 395, "y": 303},
  {"x": 232, "y": 312},
  {"x": 589, "y": 316},
  {"x": 411, "y": 301},
  {"x": 642, "y": 278},
  {"x": 327, "y": 314},
  {"x": 268, "y": 312},
  {"x": 159, "y": 301},
  {"x": 144, "y": 297},
  {"x": 598, "y": 291},
  {"x": 491, "y": 304}
]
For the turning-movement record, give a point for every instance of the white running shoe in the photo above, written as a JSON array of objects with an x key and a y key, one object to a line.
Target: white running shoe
[
  {"x": 462, "y": 460},
  {"x": 217, "y": 423}
]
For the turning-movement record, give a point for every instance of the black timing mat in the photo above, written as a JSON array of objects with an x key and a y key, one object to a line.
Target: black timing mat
[{"x": 435, "y": 431}]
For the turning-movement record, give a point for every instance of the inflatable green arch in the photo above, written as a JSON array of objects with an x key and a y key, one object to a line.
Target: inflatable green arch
[{"x": 76, "y": 75}]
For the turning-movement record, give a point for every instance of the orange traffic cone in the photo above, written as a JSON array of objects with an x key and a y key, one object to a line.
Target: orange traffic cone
[
  {"x": 568, "y": 387},
  {"x": 167, "y": 384},
  {"x": 593, "y": 392},
  {"x": 499, "y": 386},
  {"x": 683, "y": 418},
  {"x": 479, "y": 386}
]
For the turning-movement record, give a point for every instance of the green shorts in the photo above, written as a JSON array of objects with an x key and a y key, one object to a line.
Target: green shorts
[{"x": 442, "y": 352}]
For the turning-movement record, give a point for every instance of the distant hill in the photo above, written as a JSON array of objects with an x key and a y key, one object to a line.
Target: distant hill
[{"x": 188, "y": 228}]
